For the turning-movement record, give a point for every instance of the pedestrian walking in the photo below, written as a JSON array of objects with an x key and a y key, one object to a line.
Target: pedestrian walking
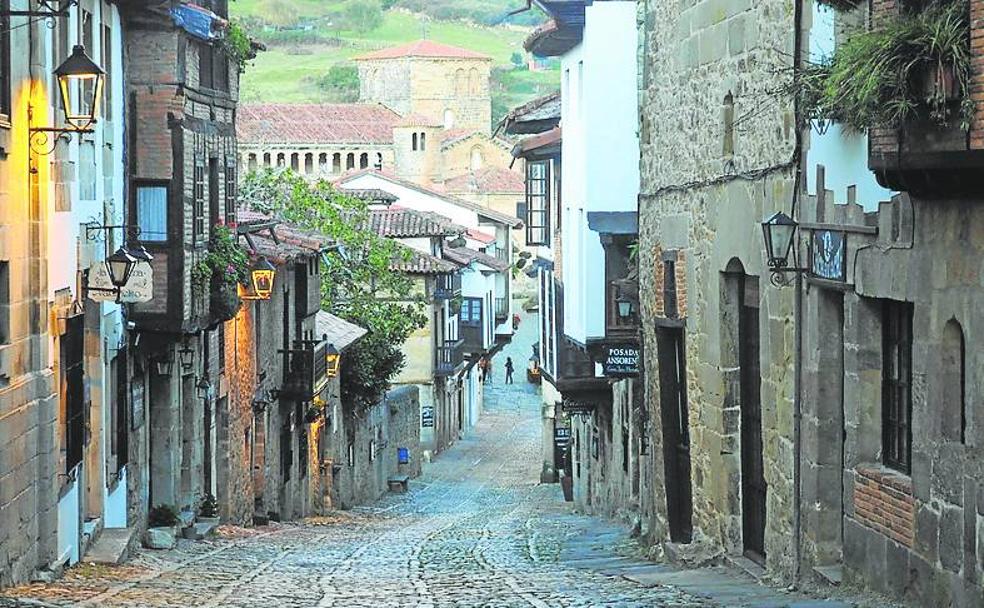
[
  {"x": 483, "y": 366},
  {"x": 488, "y": 371},
  {"x": 509, "y": 370}
]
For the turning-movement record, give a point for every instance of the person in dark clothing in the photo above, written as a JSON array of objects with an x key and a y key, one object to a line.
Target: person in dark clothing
[{"x": 509, "y": 370}]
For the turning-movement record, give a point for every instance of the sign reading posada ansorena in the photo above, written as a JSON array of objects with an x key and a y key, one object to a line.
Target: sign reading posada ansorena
[{"x": 621, "y": 361}]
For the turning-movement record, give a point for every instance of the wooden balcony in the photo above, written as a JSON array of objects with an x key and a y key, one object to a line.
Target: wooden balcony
[
  {"x": 447, "y": 286},
  {"x": 449, "y": 358},
  {"x": 308, "y": 374}
]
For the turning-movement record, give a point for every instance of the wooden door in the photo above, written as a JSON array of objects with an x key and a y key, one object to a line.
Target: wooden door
[
  {"x": 753, "y": 486},
  {"x": 676, "y": 432}
]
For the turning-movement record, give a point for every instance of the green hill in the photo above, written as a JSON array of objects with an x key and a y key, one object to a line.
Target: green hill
[{"x": 311, "y": 42}]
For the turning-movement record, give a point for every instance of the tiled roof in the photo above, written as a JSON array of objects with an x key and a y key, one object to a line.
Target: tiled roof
[
  {"x": 337, "y": 331},
  {"x": 272, "y": 123},
  {"x": 424, "y": 48},
  {"x": 540, "y": 142},
  {"x": 481, "y": 210},
  {"x": 487, "y": 181},
  {"x": 481, "y": 237},
  {"x": 373, "y": 195},
  {"x": 453, "y": 136},
  {"x": 294, "y": 242},
  {"x": 465, "y": 256},
  {"x": 407, "y": 223},
  {"x": 422, "y": 263},
  {"x": 534, "y": 116}
]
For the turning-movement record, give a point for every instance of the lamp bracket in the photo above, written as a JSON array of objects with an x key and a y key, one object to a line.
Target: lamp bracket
[
  {"x": 96, "y": 232},
  {"x": 51, "y": 9},
  {"x": 43, "y": 140}
]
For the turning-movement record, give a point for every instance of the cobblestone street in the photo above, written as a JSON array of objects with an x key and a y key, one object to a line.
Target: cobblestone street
[{"x": 476, "y": 530}]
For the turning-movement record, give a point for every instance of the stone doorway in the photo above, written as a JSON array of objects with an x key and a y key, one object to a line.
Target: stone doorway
[
  {"x": 753, "y": 485},
  {"x": 674, "y": 413}
]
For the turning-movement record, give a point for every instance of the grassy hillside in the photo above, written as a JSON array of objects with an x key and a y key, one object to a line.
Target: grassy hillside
[{"x": 320, "y": 35}]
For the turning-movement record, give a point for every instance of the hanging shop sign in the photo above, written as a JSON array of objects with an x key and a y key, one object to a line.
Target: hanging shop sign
[
  {"x": 139, "y": 287},
  {"x": 427, "y": 416},
  {"x": 621, "y": 361},
  {"x": 562, "y": 436},
  {"x": 828, "y": 249}
]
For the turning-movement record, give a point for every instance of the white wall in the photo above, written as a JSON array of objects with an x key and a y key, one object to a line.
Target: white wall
[
  {"x": 600, "y": 151},
  {"x": 842, "y": 152}
]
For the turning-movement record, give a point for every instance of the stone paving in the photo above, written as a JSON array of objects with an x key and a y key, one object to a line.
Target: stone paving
[{"x": 475, "y": 530}]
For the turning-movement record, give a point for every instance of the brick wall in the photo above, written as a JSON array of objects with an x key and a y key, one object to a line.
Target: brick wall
[
  {"x": 883, "y": 501},
  {"x": 659, "y": 283}
]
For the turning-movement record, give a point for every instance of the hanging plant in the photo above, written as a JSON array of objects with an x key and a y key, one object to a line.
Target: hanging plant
[
  {"x": 238, "y": 46},
  {"x": 225, "y": 263},
  {"x": 916, "y": 64}
]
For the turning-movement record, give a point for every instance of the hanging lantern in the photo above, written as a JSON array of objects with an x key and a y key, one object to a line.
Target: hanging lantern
[
  {"x": 187, "y": 355},
  {"x": 779, "y": 232},
  {"x": 79, "y": 73},
  {"x": 165, "y": 365},
  {"x": 120, "y": 266},
  {"x": 625, "y": 308},
  {"x": 334, "y": 360},
  {"x": 262, "y": 275}
]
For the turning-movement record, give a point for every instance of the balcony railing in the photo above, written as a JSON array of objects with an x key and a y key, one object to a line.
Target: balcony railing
[
  {"x": 501, "y": 310},
  {"x": 449, "y": 358},
  {"x": 308, "y": 371},
  {"x": 447, "y": 286}
]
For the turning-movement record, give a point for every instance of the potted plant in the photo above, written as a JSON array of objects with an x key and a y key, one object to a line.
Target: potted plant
[
  {"x": 209, "y": 510},
  {"x": 222, "y": 269},
  {"x": 162, "y": 527}
]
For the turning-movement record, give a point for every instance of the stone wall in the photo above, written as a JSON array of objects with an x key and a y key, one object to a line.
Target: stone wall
[{"x": 717, "y": 157}]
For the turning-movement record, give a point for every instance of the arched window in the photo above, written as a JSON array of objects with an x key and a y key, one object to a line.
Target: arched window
[
  {"x": 252, "y": 161},
  {"x": 414, "y": 144},
  {"x": 449, "y": 118},
  {"x": 336, "y": 163},
  {"x": 309, "y": 163},
  {"x": 953, "y": 379},
  {"x": 281, "y": 159},
  {"x": 729, "y": 125},
  {"x": 379, "y": 160},
  {"x": 364, "y": 161},
  {"x": 266, "y": 159},
  {"x": 322, "y": 162},
  {"x": 350, "y": 161},
  {"x": 423, "y": 142},
  {"x": 295, "y": 161},
  {"x": 477, "y": 159}
]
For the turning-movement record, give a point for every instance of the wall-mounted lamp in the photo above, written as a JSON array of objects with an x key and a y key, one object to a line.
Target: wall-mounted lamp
[
  {"x": 187, "y": 355},
  {"x": 46, "y": 9},
  {"x": 333, "y": 358},
  {"x": 779, "y": 232},
  {"x": 75, "y": 72},
  {"x": 204, "y": 388},
  {"x": 165, "y": 365},
  {"x": 262, "y": 275},
  {"x": 121, "y": 264}
]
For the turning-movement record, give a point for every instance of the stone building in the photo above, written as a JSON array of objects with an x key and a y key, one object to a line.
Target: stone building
[
  {"x": 424, "y": 114},
  {"x": 719, "y": 341},
  {"x": 183, "y": 91},
  {"x": 64, "y": 420}
]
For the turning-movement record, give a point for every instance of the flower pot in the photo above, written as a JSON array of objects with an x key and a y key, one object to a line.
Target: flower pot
[{"x": 223, "y": 300}]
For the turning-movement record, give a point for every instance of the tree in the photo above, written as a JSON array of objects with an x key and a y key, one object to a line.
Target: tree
[
  {"x": 340, "y": 84},
  {"x": 363, "y": 15},
  {"x": 517, "y": 59},
  {"x": 358, "y": 284}
]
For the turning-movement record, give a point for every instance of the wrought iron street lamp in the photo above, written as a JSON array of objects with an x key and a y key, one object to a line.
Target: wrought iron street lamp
[
  {"x": 262, "y": 275},
  {"x": 779, "y": 232},
  {"x": 165, "y": 365},
  {"x": 334, "y": 360},
  {"x": 187, "y": 355},
  {"x": 120, "y": 266},
  {"x": 80, "y": 73},
  {"x": 625, "y": 308}
]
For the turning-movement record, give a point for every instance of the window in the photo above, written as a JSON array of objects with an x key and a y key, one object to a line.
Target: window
[
  {"x": 379, "y": 161},
  {"x": 309, "y": 163},
  {"x": 213, "y": 191},
  {"x": 414, "y": 142},
  {"x": 266, "y": 159},
  {"x": 73, "y": 374},
  {"x": 107, "y": 65},
  {"x": 538, "y": 203},
  {"x": 221, "y": 347},
  {"x": 351, "y": 454},
  {"x": 251, "y": 162},
  {"x": 295, "y": 162},
  {"x": 4, "y": 62},
  {"x": 198, "y": 219},
  {"x": 336, "y": 163},
  {"x": 423, "y": 142},
  {"x": 350, "y": 161},
  {"x": 231, "y": 190},
  {"x": 897, "y": 385},
  {"x": 364, "y": 161},
  {"x": 372, "y": 450},
  {"x": 471, "y": 311},
  {"x": 152, "y": 213},
  {"x": 729, "y": 125},
  {"x": 669, "y": 289},
  {"x": 121, "y": 430},
  {"x": 213, "y": 68}
]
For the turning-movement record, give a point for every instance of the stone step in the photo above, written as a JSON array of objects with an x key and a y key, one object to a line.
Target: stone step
[
  {"x": 200, "y": 530},
  {"x": 187, "y": 519},
  {"x": 112, "y": 546}
]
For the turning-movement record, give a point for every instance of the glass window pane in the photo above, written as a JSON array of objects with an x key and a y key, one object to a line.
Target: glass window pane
[{"x": 152, "y": 213}]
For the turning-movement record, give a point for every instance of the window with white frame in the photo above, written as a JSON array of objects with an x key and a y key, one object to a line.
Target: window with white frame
[{"x": 152, "y": 212}]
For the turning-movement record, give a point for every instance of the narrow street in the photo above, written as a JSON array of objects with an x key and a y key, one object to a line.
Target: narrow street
[{"x": 476, "y": 530}]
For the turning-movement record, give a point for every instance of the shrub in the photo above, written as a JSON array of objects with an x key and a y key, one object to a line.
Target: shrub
[{"x": 163, "y": 516}]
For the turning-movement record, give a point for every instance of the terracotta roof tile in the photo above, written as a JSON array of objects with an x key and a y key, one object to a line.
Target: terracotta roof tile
[
  {"x": 407, "y": 223},
  {"x": 487, "y": 181},
  {"x": 423, "y": 263},
  {"x": 465, "y": 256},
  {"x": 272, "y": 123},
  {"x": 424, "y": 48},
  {"x": 416, "y": 119}
]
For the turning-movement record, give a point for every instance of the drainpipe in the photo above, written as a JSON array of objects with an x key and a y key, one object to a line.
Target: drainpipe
[{"x": 797, "y": 316}]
